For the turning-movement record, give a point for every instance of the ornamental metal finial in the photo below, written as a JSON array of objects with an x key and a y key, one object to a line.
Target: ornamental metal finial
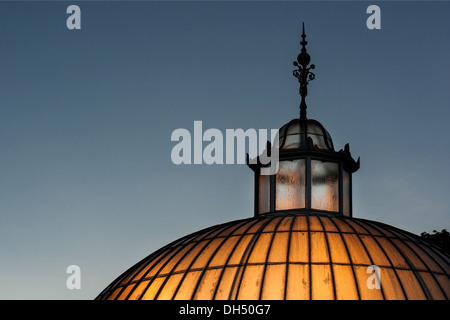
[{"x": 303, "y": 73}]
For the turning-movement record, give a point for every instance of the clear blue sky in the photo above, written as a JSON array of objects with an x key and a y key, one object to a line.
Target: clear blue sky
[{"x": 86, "y": 118}]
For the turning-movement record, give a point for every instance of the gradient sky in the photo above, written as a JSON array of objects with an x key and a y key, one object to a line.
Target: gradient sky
[{"x": 86, "y": 118}]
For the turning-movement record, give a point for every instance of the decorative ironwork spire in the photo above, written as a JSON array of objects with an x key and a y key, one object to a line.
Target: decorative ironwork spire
[{"x": 303, "y": 73}]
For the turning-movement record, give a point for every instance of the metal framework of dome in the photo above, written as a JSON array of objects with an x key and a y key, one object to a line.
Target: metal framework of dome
[
  {"x": 303, "y": 241},
  {"x": 289, "y": 256}
]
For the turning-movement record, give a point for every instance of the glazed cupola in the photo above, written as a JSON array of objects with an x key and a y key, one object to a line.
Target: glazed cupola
[{"x": 310, "y": 174}]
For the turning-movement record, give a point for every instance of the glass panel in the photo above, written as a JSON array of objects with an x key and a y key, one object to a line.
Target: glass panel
[
  {"x": 214, "y": 233},
  {"x": 290, "y": 185},
  {"x": 294, "y": 128},
  {"x": 390, "y": 285},
  {"x": 443, "y": 280},
  {"x": 328, "y": 224},
  {"x": 243, "y": 228},
  {"x": 356, "y": 227},
  {"x": 114, "y": 294},
  {"x": 250, "y": 285},
  {"x": 292, "y": 141},
  {"x": 325, "y": 185},
  {"x": 298, "y": 282},
  {"x": 300, "y": 223},
  {"x": 299, "y": 251},
  {"x": 264, "y": 194},
  {"x": 167, "y": 267},
  {"x": 412, "y": 287},
  {"x": 314, "y": 129},
  {"x": 169, "y": 287},
  {"x": 395, "y": 257},
  {"x": 225, "y": 250},
  {"x": 346, "y": 195},
  {"x": 432, "y": 286},
  {"x": 356, "y": 249},
  {"x": 411, "y": 256},
  {"x": 274, "y": 280},
  {"x": 278, "y": 251},
  {"x": 202, "y": 260},
  {"x": 377, "y": 255},
  {"x": 184, "y": 263},
  {"x": 256, "y": 226},
  {"x": 238, "y": 253},
  {"x": 322, "y": 282},
  {"x": 142, "y": 272},
  {"x": 136, "y": 294},
  {"x": 371, "y": 229},
  {"x": 208, "y": 284},
  {"x": 228, "y": 230},
  {"x": 285, "y": 225},
  {"x": 337, "y": 247},
  {"x": 282, "y": 132},
  {"x": 318, "y": 141},
  {"x": 439, "y": 257},
  {"x": 314, "y": 224},
  {"x": 319, "y": 251},
  {"x": 227, "y": 280},
  {"x": 345, "y": 283},
  {"x": 343, "y": 225},
  {"x": 125, "y": 292},
  {"x": 187, "y": 287},
  {"x": 259, "y": 251},
  {"x": 150, "y": 293},
  {"x": 270, "y": 227},
  {"x": 424, "y": 253}
]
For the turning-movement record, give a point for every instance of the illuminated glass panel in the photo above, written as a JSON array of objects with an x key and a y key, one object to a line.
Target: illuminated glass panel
[
  {"x": 325, "y": 185},
  {"x": 224, "y": 286},
  {"x": 125, "y": 292},
  {"x": 299, "y": 248},
  {"x": 274, "y": 280},
  {"x": 389, "y": 281},
  {"x": 279, "y": 247},
  {"x": 338, "y": 250},
  {"x": 167, "y": 291},
  {"x": 136, "y": 294},
  {"x": 290, "y": 185},
  {"x": 410, "y": 283},
  {"x": 346, "y": 287},
  {"x": 322, "y": 282},
  {"x": 298, "y": 282},
  {"x": 189, "y": 283},
  {"x": 153, "y": 289},
  {"x": 259, "y": 250},
  {"x": 208, "y": 281},
  {"x": 250, "y": 285}
]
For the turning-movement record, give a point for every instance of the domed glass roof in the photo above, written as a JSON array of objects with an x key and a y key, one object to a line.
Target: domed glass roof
[
  {"x": 290, "y": 256},
  {"x": 291, "y": 134}
]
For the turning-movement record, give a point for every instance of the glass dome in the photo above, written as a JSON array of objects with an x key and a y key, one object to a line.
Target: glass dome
[
  {"x": 290, "y": 256},
  {"x": 292, "y": 135}
]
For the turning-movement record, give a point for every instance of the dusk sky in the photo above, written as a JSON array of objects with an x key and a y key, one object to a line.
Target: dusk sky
[{"x": 86, "y": 117}]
